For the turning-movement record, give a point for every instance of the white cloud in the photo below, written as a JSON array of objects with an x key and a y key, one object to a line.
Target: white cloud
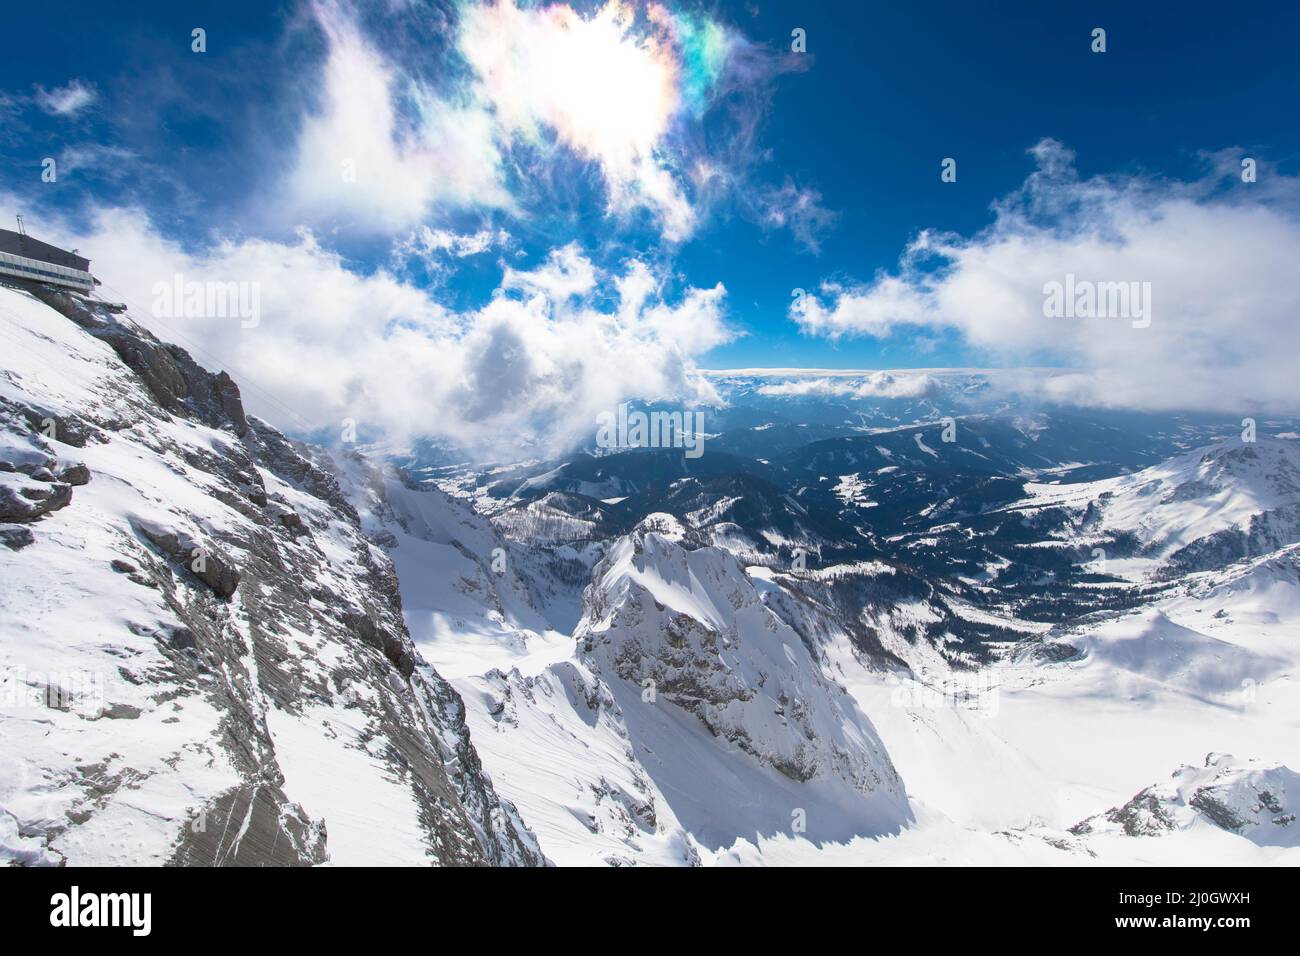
[
  {"x": 874, "y": 385},
  {"x": 459, "y": 244},
  {"x": 107, "y": 162},
  {"x": 360, "y": 159},
  {"x": 567, "y": 273},
  {"x": 526, "y": 373},
  {"x": 437, "y": 250},
  {"x": 1220, "y": 263},
  {"x": 68, "y": 100}
]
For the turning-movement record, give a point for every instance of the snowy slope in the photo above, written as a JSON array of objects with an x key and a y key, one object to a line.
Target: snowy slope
[
  {"x": 204, "y": 659},
  {"x": 1001, "y": 763},
  {"x": 999, "y": 760},
  {"x": 548, "y": 729},
  {"x": 738, "y": 733},
  {"x": 472, "y": 599}
]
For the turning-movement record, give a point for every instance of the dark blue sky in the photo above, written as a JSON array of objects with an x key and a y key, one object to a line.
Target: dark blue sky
[{"x": 885, "y": 92}]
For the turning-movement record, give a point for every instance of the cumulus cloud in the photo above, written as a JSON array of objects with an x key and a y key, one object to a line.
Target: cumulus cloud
[
  {"x": 68, "y": 100},
  {"x": 1219, "y": 260},
  {"x": 566, "y": 274},
  {"x": 874, "y": 385},
  {"x": 525, "y": 373}
]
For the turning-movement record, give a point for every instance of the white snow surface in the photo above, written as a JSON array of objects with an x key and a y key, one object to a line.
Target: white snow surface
[{"x": 993, "y": 768}]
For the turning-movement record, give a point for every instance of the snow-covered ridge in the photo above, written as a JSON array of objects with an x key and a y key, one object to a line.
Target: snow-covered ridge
[
  {"x": 1200, "y": 510},
  {"x": 203, "y": 657},
  {"x": 639, "y": 697}
]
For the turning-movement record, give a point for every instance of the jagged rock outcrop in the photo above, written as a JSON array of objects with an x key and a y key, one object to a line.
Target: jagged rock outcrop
[
  {"x": 1253, "y": 800},
  {"x": 27, "y": 500}
]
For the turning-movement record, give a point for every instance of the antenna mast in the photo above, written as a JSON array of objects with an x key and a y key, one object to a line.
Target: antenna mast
[{"x": 21, "y": 230}]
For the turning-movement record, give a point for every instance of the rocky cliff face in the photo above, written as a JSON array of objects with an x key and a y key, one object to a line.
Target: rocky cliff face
[
  {"x": 688, "y": 624},
  {"x": 204, "y": 657}
]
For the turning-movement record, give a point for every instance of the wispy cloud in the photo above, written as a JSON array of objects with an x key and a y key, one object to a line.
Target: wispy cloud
[
  {"x": 68, "y": 100},
  {"x": 361, "y": 159},
  {"x": 437, "y": 251},
  {"x": 797, "y": 208}
]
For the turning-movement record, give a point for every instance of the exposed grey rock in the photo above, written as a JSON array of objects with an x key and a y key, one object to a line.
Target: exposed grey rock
[
  {"x": 181, "y": 638},
  {"x": 69, "y": 429},
  {"x": 77, "y": 474},
  {"x": 120, "y": 712},
  {"x": 1251, "y": 799},
  {"x": 201, "y": 560},
  {"x": 271, "y": 831},
  {"x": 16, "y": 537},
  {"x": 176, "y": 382},
  {"x": 392, "y": 645},
  {"x": 27, "y": 501},
  {"x": 289, "y": 520}
]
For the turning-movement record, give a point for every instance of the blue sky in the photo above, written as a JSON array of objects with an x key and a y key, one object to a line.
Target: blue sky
[{"x": 775, "y": 170}]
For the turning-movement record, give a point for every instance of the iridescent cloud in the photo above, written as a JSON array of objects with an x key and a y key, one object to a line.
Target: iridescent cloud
[
  {"x": 386, "y": 145},
  {"x": 608, "y": 86}
]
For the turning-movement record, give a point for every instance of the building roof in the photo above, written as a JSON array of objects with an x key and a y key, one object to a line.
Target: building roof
[{"x": 17, "y": 244}]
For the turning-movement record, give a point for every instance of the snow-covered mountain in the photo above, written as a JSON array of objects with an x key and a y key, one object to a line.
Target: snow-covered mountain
[
  {"x": 1026, "y": 691},
  {"x": 677, "y": 714},
  {"x": 686, "y": 625},
  {"x": 1196, "y": 512},
  {"x": 836, "y": 639},
  {"x": 204, "y": 659}
]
